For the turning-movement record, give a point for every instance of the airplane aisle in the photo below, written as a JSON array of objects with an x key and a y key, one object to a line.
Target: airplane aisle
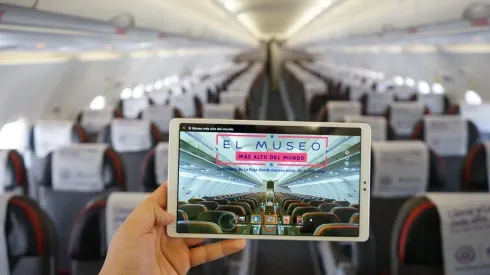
[{"x": 283, "y": 257}]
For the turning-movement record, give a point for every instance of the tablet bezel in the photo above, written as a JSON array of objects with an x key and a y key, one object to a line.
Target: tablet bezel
[{"x": 364, "y": 188}]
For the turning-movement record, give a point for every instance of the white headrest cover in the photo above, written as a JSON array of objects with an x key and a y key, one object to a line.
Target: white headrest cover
[
  {"x": 185, "y": 103},
  {"x": 446, "y": 135},
  {"x": 119, "y": 206},
  {"x": 239, "y": 99},
  {"x": 159, "y": 97},
  {"x": 132, "y": 107},
  {"x": 404, "y": 116},
  {"x": 219, "y": 111},
  {"x": 4, "y": 154},
  {"x": 435, "y": 102},
  {"x": 94, "y": 120},
  {"x": 159, "y": 115},
  {"x": 378, "y": 102},
  {"x": 337, "y": 110},
  {"x": 404, "y": 92},
  {"x": 78, "y": 167},
  {"x": 129, "y": 135},
  {"x": 465, "y": 227},
  {"x": 478, "y": 114},
  {"x": 4, "y": 259},
  {"x": 356, "y": 92},
  {"x": 401, "y": 170},
  {"x": 50, "y": 135},
  {"x": 161, "y": 162},
  {"x": 377, "y": 123},
  {"x": 313, "y": 88}
]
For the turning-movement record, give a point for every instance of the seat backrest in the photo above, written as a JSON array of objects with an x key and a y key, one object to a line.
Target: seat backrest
[
  {"x": 403, "y": 116},
  {"x": 381, "y": 130},
  {"x": 132, "y": 107},
  {"x": 193, "y": 210},
  {"x": 450, "y": 137},
  {"x": 132, "y": 140},
  {"x": 376, "y": 103},
  {"x": 337, "y": 230},
  {"x": 221, "y": 111},
  {"x": 222, "y": 201},
  {"x": 27, "y": 236},
  {"x": 438, "y": 104},
  {"x": 478, "y": 115},
  {"x": 94, "y": 228},
  {"x": 250, "y": 202},
  {"x": 214, "y": 216},
  {"x": 336, "y": 111},
  {"x": 354, "y": 218},
  {"x": 93, "y": 121},
  {"x": 238, "y": 210},
  {"x": 160, "y": 116},
  {"x": 316, "y": 203},
  {"x": 344, "y": 213},
  {"x": 44, "y": 137},
  {"x": 189, "y": 104},
  {"x": 326, "y": 207},
  {"x": 155, "y": 167},
  {"x": 195, "y": 201},
  {"x": 475, "y": 173},
  {"x": 295, "y": 205},
  {"x": 211, "y": 205},
  {"x": 73, "y": 176},
  {"x": 237, "y": 98},
  {"x": 13, "y": 173},
  {"x": 244, "y": 205},
  {"x": 342, "y": 203},
  {"x": 311, "y": 221},
  {"x": 299, "y": 211},
  {"x": 198, "y": 227},
  {"x": 287, "y": 203}
]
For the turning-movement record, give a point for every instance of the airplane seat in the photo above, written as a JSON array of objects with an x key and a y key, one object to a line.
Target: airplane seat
[
  {"x": 44, "y": 137},
  {"x": 244, "y": 205},
  {"x": 416, "y": 245},
  {"x": 311, "y": 221},
  {"x": 198, "y": 227},
  {"x": 94, "y": 227},
  {"x": 160, "y": 116},
  {"x": 355, "y": 205},
  {"x": 403, "y": 116},
  {"x": 336, "y": 111},
  {"x": 337, "y": 230},
  {"x": 294, "y": 206},
  {"x": 344, "y": 213},
  {"x": 211, "y": 205},
  {"x": 354, "y": 218},
  {"x": 222, "y": 201},
  {"x": 286, "y": 203},
  {"x": 73, "y": 176},
  {"x": 132, "y": 140},
  {"x": 475, "y": 172},
  {"x": 94, "y": 120},
  {"x": 306, "y": 200},
  {"x": 179, "y": 203},
  {"x": 316, "y": 203},
  {"x": 342, "y": 203},
  {"x": 301, "y": 210},
  {"x": 193, "y": 210},
  {"x": 195, "y": 200},
  {"x": 438, "y": 104},
  {"x": 449, "y": 143},
  {"x": 154, "y": 168},
  {"x": 238, "y": 210},
  {"x": 220, "y": 218},
  {"x": 182, "y": 216},
  {"x": 14, "y": 178},
  {"x": 132, "y": 107},
  {"x": 241, "y": 100},
  {"x": 375, "y": 103},
  {"x": 27, "y": 237},
  {"x": 221, "y": 111},
  {"x": 249, "y": 202},
  {"x": 328, "y": 206},
  {"x": 400, "y": 169}
]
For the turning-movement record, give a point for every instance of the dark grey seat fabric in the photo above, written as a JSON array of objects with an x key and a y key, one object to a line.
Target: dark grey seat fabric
[
  {"x": 16, "y": 179},
  {"x": 37, "y": 165},
  {"x": 63, "y": 206},
  {"x": 31, "y": 238},
  {"x": 132, "y": 160}
]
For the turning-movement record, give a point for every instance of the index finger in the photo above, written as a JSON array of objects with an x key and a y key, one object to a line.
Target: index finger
[
  {"x": 210, "y": 252},
  {"x": 160, "y": 195}
]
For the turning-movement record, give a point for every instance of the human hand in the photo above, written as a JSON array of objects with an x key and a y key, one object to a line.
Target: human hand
[{"x": 141, "y": 245}]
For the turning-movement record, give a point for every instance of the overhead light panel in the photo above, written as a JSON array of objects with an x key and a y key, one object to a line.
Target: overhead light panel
[
  {"x": 247, "y": 21},
  {"x": 307, "y": 17}
]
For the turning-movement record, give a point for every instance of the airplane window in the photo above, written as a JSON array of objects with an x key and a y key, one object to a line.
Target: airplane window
[
  {"x": 12, "y": 135},
  {"x": 424, "y": 87},
  {"x": 138, "y": 91},
  {"x": 438, "y": 88},
  {"x": 399, "y": 80},
  {"x": 126, "y": 93},
  {"x": 472, "y": 97},
  {"x": 410, "y": 82},
  {"x": 98, "y": 103}
]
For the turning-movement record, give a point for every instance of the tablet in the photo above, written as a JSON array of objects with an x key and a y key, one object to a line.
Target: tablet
[{"x": 269, "y": 180}]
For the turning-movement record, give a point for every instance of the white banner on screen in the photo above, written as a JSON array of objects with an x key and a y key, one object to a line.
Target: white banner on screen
[
  {"x": 50, "y": 135},
  {"x": 465, "y": 227},
  {"x": 404, "y": 116},
  {"x": 119, "y": 206},
  {"x": 128, "y": 135},
  {"x": 161, "y": 162},
  {"x": 446, "y": 135},
  {"x": 132, "y": 107},
  {"x": 378, "y": 102},
  {"x": 160, "y": 116},
  {"x": 337, "y": 110},
  {"x": 402, "y": 168},
  {"x": 377, "y": 123},
  {"x": 219, "y": 111},
  {"x": 94, "y": 120}
]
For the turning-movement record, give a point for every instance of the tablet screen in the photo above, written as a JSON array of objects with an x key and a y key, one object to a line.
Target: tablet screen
[{"x": 269, "y": 180}]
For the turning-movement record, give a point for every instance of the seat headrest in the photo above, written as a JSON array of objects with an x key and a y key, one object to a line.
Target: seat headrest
[
  {"x": 446, "y": 128},
  {"x": 337, "y": 230},
  {"x": 128, "y": 135},
  {"x": 336, "y": 111},
  {"x": 403, "y": 116},
  {"x": 47, "y": 136},
  {"x": 132, "y": 107},
  {"x": 160, "y": 115},
  {"x": 94, "y": 120},
  {"x": 438, "y": 104},
  {"x": 28, "y": 231},
  {"x": 375, "y": 103},
  {"x": 404, "y": 168},
  {"x": 219, "y": 111},
  {"x": 13, "y": 174},
  {"x": 381, "y": 130},
  {"x": 155, "y": 167},
  {"x": 110, "y": 172},
  {"x": 475, "y": 171}
]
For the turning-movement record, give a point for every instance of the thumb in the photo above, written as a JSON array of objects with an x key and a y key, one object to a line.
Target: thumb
[{"x": 145, "y": 217}]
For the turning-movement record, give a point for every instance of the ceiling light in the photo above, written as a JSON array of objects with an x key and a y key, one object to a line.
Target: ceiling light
[
  {"x": 158, "y": 84},
  {"x": 138, "y": 91},
  {"x": 229, "y": 5},
  {"x": 410, "y": 82},
  {"x": 399, "y": 80},
  {"x": 126, "y": 93},
  {"x": 437, "y": 88},
  {"x": 308, "y": 17},
  {"x": 247, "y": 21}
]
